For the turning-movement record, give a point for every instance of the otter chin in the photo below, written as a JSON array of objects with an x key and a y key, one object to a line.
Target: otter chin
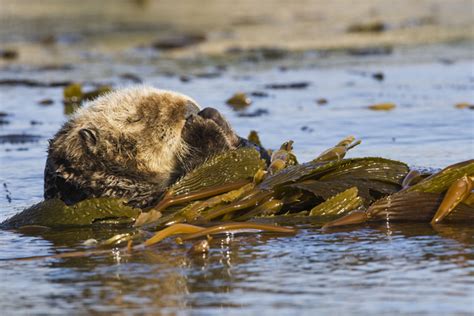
[{"x": 132, "y": 144}]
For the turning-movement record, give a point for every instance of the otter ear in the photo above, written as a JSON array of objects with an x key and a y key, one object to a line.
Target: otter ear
[{"x": 89, "y": 136}]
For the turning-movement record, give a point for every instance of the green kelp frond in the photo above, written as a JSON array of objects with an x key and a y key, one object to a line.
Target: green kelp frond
[{"x": 54, "y": 213}]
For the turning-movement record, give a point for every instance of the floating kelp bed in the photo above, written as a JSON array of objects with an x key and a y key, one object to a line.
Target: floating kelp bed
[{"x": 235, "y": 192}]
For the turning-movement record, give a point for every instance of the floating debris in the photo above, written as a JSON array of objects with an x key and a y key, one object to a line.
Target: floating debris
[
  {"x": 3, "y": 120},
  {"x": 94, "y": 94},
  {"x": 73, "y": 93},
  {"x": 33, "y": 83},
  {"x": 179, "y": 41},
  {"x": 382, "y": 107},
  {"x": 46, "y": 102},
  {"x": 255, "y": 113},
  {"x": 293, "y": 85},
  {"x": 368, "y": 27},
  {"x": 19, "y": 138},
  {"x": 258, "y": 54},
  {"x": 371, "y": 50},
  {"x": 184, "y": 78},
  {"x": 239, "y": 101},
  {"x": 55, "y": 67},
  {"x": 9, "y": 54},
  {"x": 464, "y": 105},
  {"x": 74, "y": 96},
  {"x": 378, "y": 76},
  {"x": 259, "y": 94},
  {"x": 208, "y": 75},
  {"x": 322, "y": 101},
  {"x": 131, "y": 77}
]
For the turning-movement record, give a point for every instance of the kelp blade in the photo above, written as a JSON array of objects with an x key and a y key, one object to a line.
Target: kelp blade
[
  {"x": 379, "y": 169},
  {"x": 339, "y": 204},
  {"x": 54, "y": 213},
  {"x": 440, "y": 182},
  {"x": 362, "y": 168},
  {"x": 416, "y": 206},
  {"x": 369, "y": 190},
  {"x": 230, "y": 166},
  {"x": 421, "y": 201}
]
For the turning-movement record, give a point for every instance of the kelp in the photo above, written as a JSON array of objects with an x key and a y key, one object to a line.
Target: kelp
[
  {"x": 238, "y": 228},
  {"x": 193, "y": 211},
  {"x": 440, "y": 181},
  {"x": 380, "y": 169},
  {"x": 369, "y": 190},
  {"x": 230, "y": 166},
  {"x": 339, "y": 151},
  {"x": 340, "y": 204},
  {"x": 416, "y": 206},
  {"x": 54, "y": 213},
  {"x": 421, "y": 201},
  {"x": 430, "y": 188},
  {"x": 192, "y": 231},
  {"x": 361, "y": 168},
  {"x": 268, "y": 208},
  {"x": 237, "y": 186},
  {"x": 220, "y": 174}
]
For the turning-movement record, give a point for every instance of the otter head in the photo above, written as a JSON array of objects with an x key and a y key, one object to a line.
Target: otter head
[{"x": 132, "y": 144}]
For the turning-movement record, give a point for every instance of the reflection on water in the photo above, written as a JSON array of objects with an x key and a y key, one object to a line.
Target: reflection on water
[{"x": 408, "y": 268}]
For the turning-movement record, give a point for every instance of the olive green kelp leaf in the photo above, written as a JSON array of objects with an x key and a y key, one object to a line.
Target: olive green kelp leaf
[
  {"x": 440, "y": 181},
  {"x": 54, "y": 213},
  {"x": 421, "y": 201},
  {"x": 339, "y": 204},
  {"x": 416, "y": 206},
  {"x": 370, "y": 168},
  {"x": 230, "y": 166},
  {"x": 369, "y": 190}
]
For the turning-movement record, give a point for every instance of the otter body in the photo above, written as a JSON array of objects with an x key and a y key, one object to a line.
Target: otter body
[{"x": 132, "y": 144}]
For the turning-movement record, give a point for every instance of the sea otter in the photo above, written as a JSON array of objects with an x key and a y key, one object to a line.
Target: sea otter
[{"x": 132, "y": 144}]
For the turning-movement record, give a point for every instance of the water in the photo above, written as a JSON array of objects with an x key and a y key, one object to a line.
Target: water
[{"x": 377, "y": 269}]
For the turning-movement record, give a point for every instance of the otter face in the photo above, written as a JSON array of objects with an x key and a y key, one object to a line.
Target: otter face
[{"x": 132, "y": 143}]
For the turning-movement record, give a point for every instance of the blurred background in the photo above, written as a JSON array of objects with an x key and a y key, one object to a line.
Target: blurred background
[{"x": 61, "y": 31}]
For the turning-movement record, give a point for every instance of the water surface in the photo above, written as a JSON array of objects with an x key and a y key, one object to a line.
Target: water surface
[{"x": 377, "y": 269}]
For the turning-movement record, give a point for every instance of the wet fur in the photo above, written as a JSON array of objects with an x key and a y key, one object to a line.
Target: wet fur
[{"x": 132, "y": 144}]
